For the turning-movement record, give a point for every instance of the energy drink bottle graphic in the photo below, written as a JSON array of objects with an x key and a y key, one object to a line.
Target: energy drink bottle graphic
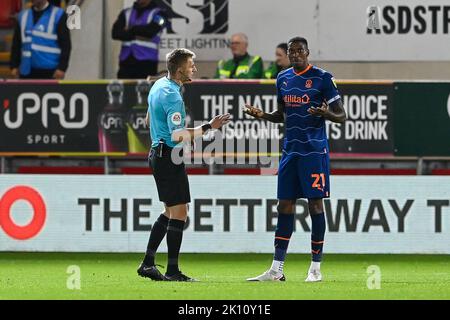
[
  {"x": 137, "y": 130},
  {"x": 112, "y": 134}
]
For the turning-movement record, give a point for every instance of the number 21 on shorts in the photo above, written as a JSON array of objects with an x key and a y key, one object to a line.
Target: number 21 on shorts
[{"x": 317, "y": 177}]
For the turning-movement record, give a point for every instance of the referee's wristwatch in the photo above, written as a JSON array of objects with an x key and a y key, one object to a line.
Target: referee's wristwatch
[{"x": 206, "y": 127}]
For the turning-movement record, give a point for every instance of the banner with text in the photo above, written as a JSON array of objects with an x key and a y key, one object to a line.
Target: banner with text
[
  {"x": 110, "y": 117},
  {"x": 93, "y": 117},
  {"x": 368, "y": 128},
  {"x": 115, "y": 214},
  {"x": 382, "y": 30}
]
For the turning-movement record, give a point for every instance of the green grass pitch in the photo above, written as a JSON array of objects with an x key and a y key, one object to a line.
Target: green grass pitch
[{"x": 222, "y": 276}]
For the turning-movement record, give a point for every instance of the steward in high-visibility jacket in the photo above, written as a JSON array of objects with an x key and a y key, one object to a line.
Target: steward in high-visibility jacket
[
  {"x": 139, "y": 28},
  {"x": 41, "y": 43},
  {"x": 243, "y": 67}
]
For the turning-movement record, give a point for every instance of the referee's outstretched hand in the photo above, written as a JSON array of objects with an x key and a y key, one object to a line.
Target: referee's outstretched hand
[
  {"x": 253, "y": 111},
  {"x": 220, "y": 120}
]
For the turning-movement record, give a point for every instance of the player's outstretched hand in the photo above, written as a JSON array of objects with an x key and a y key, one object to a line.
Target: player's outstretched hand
[
  {"x": 253, "y": 111},
  {"x": 319, "y": 111},
  {"x": 220, "y": 120}
]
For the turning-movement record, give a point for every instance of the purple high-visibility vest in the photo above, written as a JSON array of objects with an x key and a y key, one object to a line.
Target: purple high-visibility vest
[{"x": 142, "y": 49}]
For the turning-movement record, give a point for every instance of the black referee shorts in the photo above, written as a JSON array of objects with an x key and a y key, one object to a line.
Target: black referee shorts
[{"x": 171, "y": 179}]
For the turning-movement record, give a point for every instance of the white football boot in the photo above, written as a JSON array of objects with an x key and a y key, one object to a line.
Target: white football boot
[
  {"x": 314, "y": 275},
  {"x": 269, "y": 275}
]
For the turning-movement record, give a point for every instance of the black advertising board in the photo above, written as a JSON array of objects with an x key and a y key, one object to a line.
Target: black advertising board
[
  {"x": 108, "y": 116},
  {"x": 422, "y": 119},
  {"x": 244, "y": 134},
  {"x": 50, "y": 117},
  {"x": 368, "y": 129}
]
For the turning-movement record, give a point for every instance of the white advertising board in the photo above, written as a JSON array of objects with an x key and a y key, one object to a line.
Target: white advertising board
[
  {"x": 400, "y": 30},
  {"x": 376, "y": 214}
]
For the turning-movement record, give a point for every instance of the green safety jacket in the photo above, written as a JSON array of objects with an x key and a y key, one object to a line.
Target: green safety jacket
[
  {"x": 272, "y": 71},
  {"x": 251, "y": 67}
]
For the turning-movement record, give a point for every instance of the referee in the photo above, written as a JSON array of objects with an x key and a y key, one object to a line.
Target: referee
[{"x": 167, "y": 120}]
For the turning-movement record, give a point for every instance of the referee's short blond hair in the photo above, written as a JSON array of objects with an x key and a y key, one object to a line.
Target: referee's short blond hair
[{"x": 176, "y": 58}]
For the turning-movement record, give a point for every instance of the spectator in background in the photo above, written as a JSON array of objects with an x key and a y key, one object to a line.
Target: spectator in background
[
  {"x": 41, "y": 43},
  {"x": 281, "y": 62},
  {"x": 139, "y": 28},
  {"x": 242, "y": 65}
]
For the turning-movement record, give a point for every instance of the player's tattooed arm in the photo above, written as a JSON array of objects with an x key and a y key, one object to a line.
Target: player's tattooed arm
[
  {"x": 276, "y": 116},
  {"x": 334, "y": 112}
]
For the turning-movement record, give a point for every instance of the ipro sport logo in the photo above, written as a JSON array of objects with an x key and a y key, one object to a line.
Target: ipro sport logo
[
  {"x": 197, "y": 16},
  {"x": 52, "y": 103}
]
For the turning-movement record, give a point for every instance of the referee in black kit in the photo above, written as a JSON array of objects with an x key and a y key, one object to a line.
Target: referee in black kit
[{"x": 167, "y": 127}]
